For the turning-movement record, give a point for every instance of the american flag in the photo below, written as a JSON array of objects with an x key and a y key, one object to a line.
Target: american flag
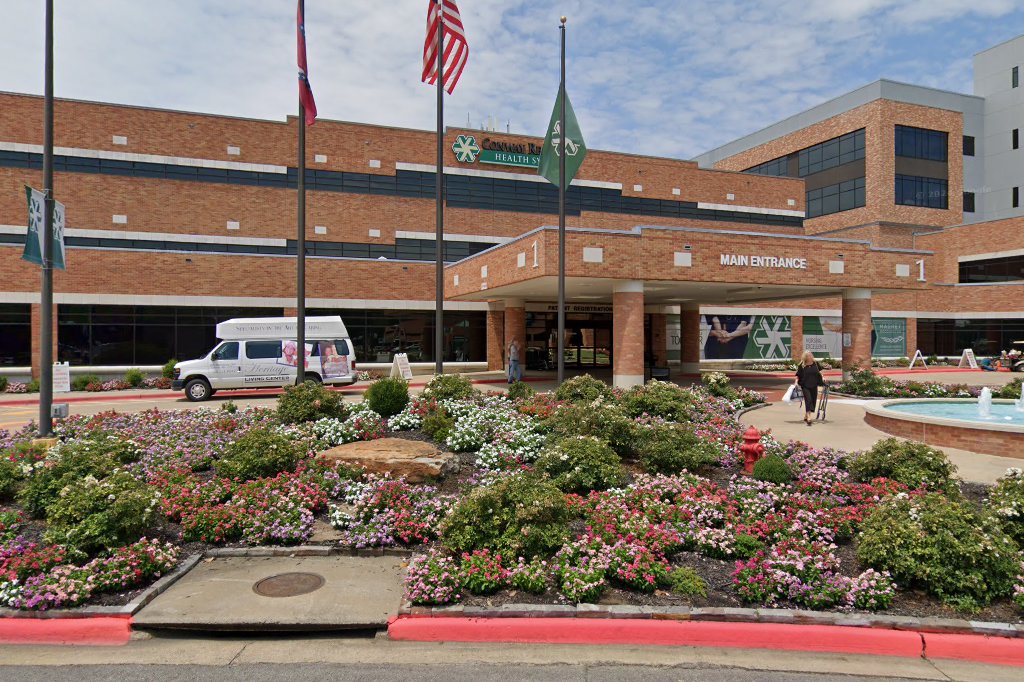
[
  {"x": 305, "y": 91},
  {"x": 456, "y": 49}
]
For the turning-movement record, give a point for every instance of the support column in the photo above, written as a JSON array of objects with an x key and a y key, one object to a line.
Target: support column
[
  {"x": 514, "y": 328},
  {"x": 37, "y": 348},
  {"x": 856, "y": 329},
  {"x": 659, "y": 339},
  {"x": 495, "y": 337},
  {"x": 628, "y": 334},
  {"x": 689, "y": 338},
  {"x": 796, "y": 332},
  {"x": 911, "y": 337}
]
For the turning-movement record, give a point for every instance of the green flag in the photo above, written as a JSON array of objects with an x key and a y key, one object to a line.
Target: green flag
[
  {"x": 575, "y": 148},
  {"x": 34, "y": 238}
]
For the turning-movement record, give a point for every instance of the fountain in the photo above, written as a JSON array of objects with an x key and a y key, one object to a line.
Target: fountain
[
  {"x": 1019, "y": 403},
  {"x": 985, "y": 403}
]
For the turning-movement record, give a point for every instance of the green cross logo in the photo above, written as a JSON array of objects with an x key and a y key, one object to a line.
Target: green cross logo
[{"x": 465, "y": 148}]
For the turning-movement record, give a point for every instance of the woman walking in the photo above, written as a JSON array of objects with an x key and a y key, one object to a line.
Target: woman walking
[{"x": 808, "y": 378}]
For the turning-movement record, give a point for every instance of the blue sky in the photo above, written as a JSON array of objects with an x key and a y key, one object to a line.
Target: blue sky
[{"x": 666, "y": 78}]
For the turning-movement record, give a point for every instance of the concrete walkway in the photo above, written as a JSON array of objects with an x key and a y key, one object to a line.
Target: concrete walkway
[{"x": 845, "y": 429}]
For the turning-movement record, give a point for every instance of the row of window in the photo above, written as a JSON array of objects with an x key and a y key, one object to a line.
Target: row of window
[
  {"x": 776, "y": 167},
  {"x": 460, "y": 191},
  {"x": 842, "y": 196},
  {"x": 402, "y": 249},
  {"x": 921, "y": 143},
  {"x": 832, "y": 153},
  {"x": 912, "y": 190},
  {"x": 992, "y": 270}
]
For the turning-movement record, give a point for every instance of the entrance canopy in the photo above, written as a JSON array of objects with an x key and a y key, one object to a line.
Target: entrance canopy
[{"x": 683, "y": 265}]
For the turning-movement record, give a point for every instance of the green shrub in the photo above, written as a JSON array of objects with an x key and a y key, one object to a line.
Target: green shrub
[
  {"x": 671, "y": 448},
  {"x": 718, "y": 384},
  {"x": 915, "y": 465},
  {"x": 437, "y": 425},
  {"x": 1010, "y": 390},
  {"x": 97, "y": 455},
  {"x": 865, "y": 382},
  {"x": 684, "y": 580},
  {"x": 82, "y": 380},
  {"x": 90, "y": 515},
  {"x": 230, "y": 407},
  {"x": 32, "y": 386},
  {"x": 10, "y": 475},
  {"x": 947, "y": 548},
  {"x": 773, "y": 469},
  {"x": 1006, "y": 503},
  {"x": 520, "y": 515},
  {"x": 168, "y": 369},
  {"x": 658, "y": 399},
  {"x": 134, "y": 377},
  {"x": 309, "y": 402},
  {"x": 580, "y": 464},
  {"x": 449, "y": 387},
  {"x": 607, "y": 421},
  {"x": 3, "y": 384},
  {"x": 388, "y": 397},
  {"x": 583, "y": 389},
  {"x": 260, "y": 453},
  {"x": 520, "y": 390}
]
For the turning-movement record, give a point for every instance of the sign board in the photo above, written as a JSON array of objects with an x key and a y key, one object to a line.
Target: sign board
[
  {"x": 761, "y": 261},
  {"x": 33, "y": 252},
  {"x": 400, "y": 367},
  {"x": 61, "y": 377},
  {"x": 967, "y": 359},
  {"x": 847, "y": 340},
  {"x": 751, "y": 337},
  {"x": 918, "y": 356},
  {"x": 522, "y": 155},
  {"x": 889, "y": 337}
]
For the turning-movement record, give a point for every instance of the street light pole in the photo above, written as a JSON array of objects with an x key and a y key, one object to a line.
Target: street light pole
[{"x": 46, "y": 290}]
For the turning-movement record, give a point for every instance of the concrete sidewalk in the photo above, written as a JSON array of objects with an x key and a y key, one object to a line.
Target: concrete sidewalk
[{"x": 845, "y": 429}]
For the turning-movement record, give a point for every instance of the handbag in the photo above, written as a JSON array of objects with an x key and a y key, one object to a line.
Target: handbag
[
  {"x": 797, "y": 395},
  {"x": 788, "y": 395}
]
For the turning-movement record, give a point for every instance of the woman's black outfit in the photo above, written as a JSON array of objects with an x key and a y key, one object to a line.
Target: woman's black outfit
[{"x": 808, "y": 377}]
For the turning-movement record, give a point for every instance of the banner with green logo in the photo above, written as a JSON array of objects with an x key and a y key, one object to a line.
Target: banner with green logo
[
  {"x": 575, "y": 148},
  {"x": 889, "y": 337},
  {"x": 751, "y": 337},
  {"x": 33, "y": 252},
  {"x": 823, "y": 336}
]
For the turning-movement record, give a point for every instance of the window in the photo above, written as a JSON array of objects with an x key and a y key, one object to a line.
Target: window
[
  {"x": 263, "y": 350},
  {"x": 920, "y": 143},
  {"x": 226, "y": 351},
  {"x": 341, "y": 347},
  {"x": 1010, "y": 269},
  {"x": 843, "y": 196},
  {"x": 968, "y": 202},
  {"x": 968, "y": 145},
  {"x": 1015, "y": 138},
  {"x": 832, "y": 153},
  {"x": 1016, "y": 197},
  {"x": 1015, "y": 77},
  {"x": 912, "y": 190},
  {"x": 16, "y": 338},
  {"x": 777, "y": 167}
]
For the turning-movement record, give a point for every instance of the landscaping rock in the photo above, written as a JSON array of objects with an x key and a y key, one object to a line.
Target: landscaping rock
[{"x": 415, "y": 460}]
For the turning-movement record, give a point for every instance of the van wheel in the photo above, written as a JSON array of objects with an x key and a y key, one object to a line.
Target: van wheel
[
  {"x": 315, "y": 378},
  {"x": 198, "y": 390}
]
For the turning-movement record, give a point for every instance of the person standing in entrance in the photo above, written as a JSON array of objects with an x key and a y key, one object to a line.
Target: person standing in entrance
[
  {"x": 515, "y": 373},
  {"x": 808, "y": 378}
]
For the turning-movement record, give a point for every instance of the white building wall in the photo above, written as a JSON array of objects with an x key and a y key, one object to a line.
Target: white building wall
[{"x": 1002, "y": 166}]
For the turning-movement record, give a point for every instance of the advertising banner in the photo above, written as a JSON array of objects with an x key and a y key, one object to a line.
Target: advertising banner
[
  {"x": 889, "y": 337},
  {"x": 752, "y": 337},
  {"x": 823, "y": 336}
]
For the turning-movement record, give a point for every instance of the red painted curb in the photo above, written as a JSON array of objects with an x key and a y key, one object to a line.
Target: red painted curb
[
  {"x": 818, "y": 638},
  {"x": 980, "y": 648},
  {"x": 99, "y": 631}
]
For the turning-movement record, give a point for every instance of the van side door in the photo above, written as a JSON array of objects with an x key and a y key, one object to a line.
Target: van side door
[
  {"x": 264, "y": 364},
  {"x": 225, "y": 366}
]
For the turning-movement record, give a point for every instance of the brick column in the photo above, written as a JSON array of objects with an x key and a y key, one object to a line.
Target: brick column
[
  {"x": 911, "y": 337},
  {"x": 856, "y": 323},
  {"x": 689, "y": 338},
  {"x": 659, "y": 338},
  {"x": 37, "y": 347},
  {"x": 495, "y": 337},
  {"x": 796, "y": 343},
  {"x": 514, "y": 328},
  {"x": 628, "y": 334}
]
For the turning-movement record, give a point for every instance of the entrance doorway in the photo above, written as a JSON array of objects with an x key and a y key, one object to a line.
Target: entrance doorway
[
  {"x": 588, "y": 340},
  {"x": 588, "y": 344}
]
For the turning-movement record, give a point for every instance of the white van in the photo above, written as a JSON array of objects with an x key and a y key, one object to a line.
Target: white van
[{"x": 262, "y": 351}]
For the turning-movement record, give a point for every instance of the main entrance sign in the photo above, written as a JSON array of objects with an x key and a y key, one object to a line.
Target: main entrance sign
[
  {"x": 744, "y": 260},
  {"x": 522, "y": 155}
]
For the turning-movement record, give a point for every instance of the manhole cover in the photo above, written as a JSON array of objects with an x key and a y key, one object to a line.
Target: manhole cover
[{"x": 288, "y": 584}]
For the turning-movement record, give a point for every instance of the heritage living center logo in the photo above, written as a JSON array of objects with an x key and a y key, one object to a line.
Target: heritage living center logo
[{"x": 522, "y": 155}]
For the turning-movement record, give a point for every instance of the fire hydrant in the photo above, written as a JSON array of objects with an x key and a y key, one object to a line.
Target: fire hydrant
[{"x": 752, "y": 450}]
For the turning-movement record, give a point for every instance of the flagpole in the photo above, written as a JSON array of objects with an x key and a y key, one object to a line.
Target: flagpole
[
  {"x": 300, "y": 242},
  {"x": 46, "y": 292},
  {"x": 561, "y": 215},
  {"x": 439, "y": 191}
]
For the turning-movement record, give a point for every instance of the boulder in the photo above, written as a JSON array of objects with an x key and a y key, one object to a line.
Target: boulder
[{"x": 415, "y": 460}]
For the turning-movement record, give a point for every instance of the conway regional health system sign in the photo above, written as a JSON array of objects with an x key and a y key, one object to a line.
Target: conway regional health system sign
[{"x": 521, "y": 155}]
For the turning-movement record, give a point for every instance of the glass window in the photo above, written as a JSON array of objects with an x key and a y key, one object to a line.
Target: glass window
[
  {"x": 844, "y": 196},
  {"x": 1015, "y": 138},
  {"x": 1015, "y": 199},
  {"x": 968, "y": 145},
  {"x": 1009, "y": 269},
  {"x": 16, "y": 337},
  {"x": 262, "y": 350},
  {"x": 921, "y": 143},
  {"x": 968, "y": 202},
  {"x": 228, "y": 351},
  {"x": 831, "y": 153},
  {"x": 1015, "y": 77},
  {"x": 776, "y": 167},
  {"x": 912, "y": 190},
  {"x": 341, "y": 347}
]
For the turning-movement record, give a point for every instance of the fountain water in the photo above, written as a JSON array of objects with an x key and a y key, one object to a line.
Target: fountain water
[
  {"x": 1019, "y": 403},
  {"x": 985, "y": 403}
]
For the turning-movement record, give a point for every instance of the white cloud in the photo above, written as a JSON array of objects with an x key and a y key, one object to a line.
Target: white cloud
[{"x": 653, "y": 77}]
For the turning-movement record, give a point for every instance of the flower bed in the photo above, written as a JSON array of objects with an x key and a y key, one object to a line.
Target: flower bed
[
  {"x": 590, "y": 494},
  {"x": 865, "y": 383}
]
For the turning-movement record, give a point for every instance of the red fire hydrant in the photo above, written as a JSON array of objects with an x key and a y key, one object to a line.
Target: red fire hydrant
[{"x": 752, "y": 450}]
